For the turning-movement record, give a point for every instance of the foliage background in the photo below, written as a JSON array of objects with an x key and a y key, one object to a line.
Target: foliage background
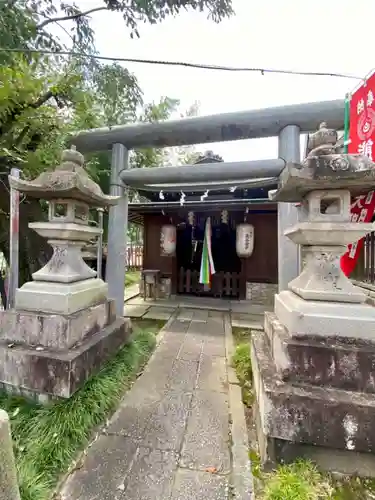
[{"x": 43, "y": 97}]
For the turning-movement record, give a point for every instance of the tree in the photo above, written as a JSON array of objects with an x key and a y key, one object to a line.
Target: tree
[
  {"x": 134, "y": 12},
  {"x": 43, "y": 97}
]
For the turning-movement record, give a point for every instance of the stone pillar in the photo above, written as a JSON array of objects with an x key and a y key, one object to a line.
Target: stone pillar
[
  {"x": 8, "y": 475},
  {"x": 117, "y": 231},
  {"x": 288, "y": 252}
]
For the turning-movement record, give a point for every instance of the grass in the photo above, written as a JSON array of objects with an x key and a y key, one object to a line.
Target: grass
[
  {"x": 350, "y": 488},
  {"x": 256, "y": 465},
  {"x": 149, "y": 324},
  {"x": 132, "y": 277},
  {"x": 241, "y": 335},
  {"x": 47, "y": 438},
  {"x": 300, "y": 480},
  {"x": 241, "y": 361}
]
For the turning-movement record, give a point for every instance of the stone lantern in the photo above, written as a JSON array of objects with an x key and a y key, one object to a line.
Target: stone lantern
[
  {"x": 66, "y": 283},
  {"x": 314, "y": 367},
  {"x": 63, "y": 327}
]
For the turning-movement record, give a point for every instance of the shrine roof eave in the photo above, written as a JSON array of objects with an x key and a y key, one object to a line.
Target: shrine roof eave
[
  {"x": 251, "y": 124},
  {"x": 175, "y": 206},
  {"x": 204, "y": 176},
  {"x": 137, "y": 211}
]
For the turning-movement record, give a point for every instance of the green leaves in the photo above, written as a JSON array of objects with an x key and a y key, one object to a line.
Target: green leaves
[
  {"x": 155, "y": 11},
  {"x": 117, "y": 94}
]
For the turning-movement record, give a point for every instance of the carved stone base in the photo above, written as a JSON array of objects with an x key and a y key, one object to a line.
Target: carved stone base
[
  {"x": 50, "y": 373},
  {"x": 274, "y": 451},
  {"x": 305, "y": 414},
  {"x": 337, "y": 362},
  {"x": 66, "y": 264},
  {"x": 322, "y": 278},
  {"x": 54, "y": 331},
  {"x": 324, "y": 319},
  {"x": 60, "y": 298}
]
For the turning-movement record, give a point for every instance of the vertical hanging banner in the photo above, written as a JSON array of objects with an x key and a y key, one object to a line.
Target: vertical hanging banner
[
  {"x": 362, "y": 210},
  {"x": 361, "y": 141},
  {"x": 207, "y": 263},
  {"x": 362, "y": 119}
]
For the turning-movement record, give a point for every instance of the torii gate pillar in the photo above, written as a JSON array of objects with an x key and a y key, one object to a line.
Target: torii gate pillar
[
  {"x": 117, "y": 230},
  {"x": 288, "y": 252}
]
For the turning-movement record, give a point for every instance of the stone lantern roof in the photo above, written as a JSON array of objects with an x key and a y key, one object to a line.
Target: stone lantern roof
[{"x": 69, "y": 180}]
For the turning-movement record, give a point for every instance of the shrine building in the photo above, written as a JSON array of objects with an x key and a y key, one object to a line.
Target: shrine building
[{"x": 242, "y": 232}]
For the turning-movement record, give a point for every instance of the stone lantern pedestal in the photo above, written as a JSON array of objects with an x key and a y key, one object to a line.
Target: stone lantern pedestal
[
  {"x": 314, "y": 367},
  {"x": 63, "y": 327}
]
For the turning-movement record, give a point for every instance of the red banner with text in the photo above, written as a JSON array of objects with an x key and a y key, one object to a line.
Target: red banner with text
[
  {"x": 362, "y": 141},
  {"x": 362, "y": 210}
]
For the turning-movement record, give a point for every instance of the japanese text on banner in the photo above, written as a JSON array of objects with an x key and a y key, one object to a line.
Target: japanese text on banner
[
  {"x": 362, "y": 120},
  {"x": 362, "y": 210},
  {"x": 362, "y": 141}
]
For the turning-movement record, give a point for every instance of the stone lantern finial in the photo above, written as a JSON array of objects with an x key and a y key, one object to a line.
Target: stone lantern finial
[
  {"x": 322, "y": 142},
  {"x": 71, "y": 160}
]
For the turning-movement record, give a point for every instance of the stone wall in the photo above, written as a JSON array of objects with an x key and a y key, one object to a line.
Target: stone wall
[{"x": 261, "y": 293}]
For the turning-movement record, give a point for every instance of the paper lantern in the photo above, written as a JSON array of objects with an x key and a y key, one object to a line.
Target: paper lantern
[
  {"x": 168, "y": 240},
  {"x": 244, "y": 240}
]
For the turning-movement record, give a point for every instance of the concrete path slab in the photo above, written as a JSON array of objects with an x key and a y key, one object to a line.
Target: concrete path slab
[
  {"x": 247, "y": 307},
  {"x": 185, "y": 314},
  {"x": 204, "y": 303},
  {"x": 137, "y": 301},
  {"x": 180, "y": 433},
  {"x": 250, "y": 321},
  {"x": 162, "y": 313},
  {"x": 135, "y": 311},
  {"x": 207, "y": 442},
  {"x": 131, "y": 291},
  {"x": 191, "y": 485}
]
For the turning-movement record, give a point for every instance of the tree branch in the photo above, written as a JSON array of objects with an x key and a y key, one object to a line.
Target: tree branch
[
  {"x": 11, "y": 117},
  {"x": 42, "y": 99},
  {"x": 69, "y": 18}
]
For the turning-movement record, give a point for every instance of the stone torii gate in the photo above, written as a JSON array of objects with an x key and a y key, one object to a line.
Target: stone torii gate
[{"x": 286, "y": 122}]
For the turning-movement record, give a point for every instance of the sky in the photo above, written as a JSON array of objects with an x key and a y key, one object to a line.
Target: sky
[{"x": 321, "y": 36}]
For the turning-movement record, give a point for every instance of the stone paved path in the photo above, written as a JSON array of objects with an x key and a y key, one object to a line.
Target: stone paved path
[
  {"x": 131, "y": 291},
  {"x": 180, "y": 432}
]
